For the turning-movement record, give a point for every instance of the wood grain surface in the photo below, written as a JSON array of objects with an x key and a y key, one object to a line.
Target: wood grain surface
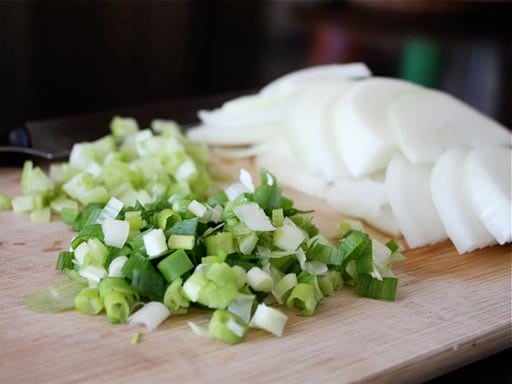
[{"x": 451, "y": 310}]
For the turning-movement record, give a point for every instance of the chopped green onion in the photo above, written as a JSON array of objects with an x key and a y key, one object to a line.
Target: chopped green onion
[
  {"x": 65, "y": 260},
  {"x": 62, "y": 202},
  {"x": 277, "y": 217},
  {"x": 269, "y": 319},
  {"x": 57, "y": 297},
  {"x": 110, "y": 211},
  {"x": 151, "y": 315},
  {"x": 42, "y": 215},
  {"x": 135, "y": 220},
  {"x": 283, "y": 286},
  {"x": 175, "y": 265},
  {"x": 194, "y": 284},
  {"x": 288, "y": 237},
  {"x": 110, "y": 284},
  {"x": 220, "y": 242},
  {"x": 115, "y": 269},
  {"x": 69, "y": 215},
  {"x": 199, "y": 330},
  {"x": 302, "y": 296},
  {"x": 175, "y": 299},
  {"x": 148, "y": 283},
  {"x": 155, "y": 243},
  {"x": 346, "y": 226},
  {"x": 136, "y": 338},
  {"x": 197, "y": 209},
  {"x": 384, "y": 289},
  {"x": 178, "y": 252},
  {"x": 247, "y": 243},
  {"x": 88, "y": 301},
  {"x": 181, "y": 242},
  {"x": 242, "y": 306},
  {"x": 117, "y": 307},
  {"x": 135, "y": 261},
  {"x": 115, "y": 232},
  {"x": 259, "y": 280},
  {"x": 254, "y": 217},
  {"x": 92, "y": 274},
  {"x": 23, "y": 203},
  {"x": 227, "y": 327},
  {"x": 330, "y": 282},
  {"x": 122, "y": 127}
]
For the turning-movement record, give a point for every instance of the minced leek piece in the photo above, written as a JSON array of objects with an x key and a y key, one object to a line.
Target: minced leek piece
[
  {"x": 136, "y": 338},
  {"x": 5, "y": 202},
  {"x": 115, "y": 169},
  {"x": 173, "y": 254}
]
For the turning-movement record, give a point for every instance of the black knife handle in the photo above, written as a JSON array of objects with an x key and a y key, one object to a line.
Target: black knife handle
[{"x": 13, "y": 132}]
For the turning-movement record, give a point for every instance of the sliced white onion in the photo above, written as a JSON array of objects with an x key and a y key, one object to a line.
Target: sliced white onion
[
  {"x": 385, "y": 222},
  {"x": 362, "y": 198},
  {"x": 452, "y": 201},
  {"x": 427, "y": 122},
  {"x": 151, "y": 315},
  {"x": 248, "y": 111},
  {"x": 222, "y": 135},
  {"x": 243, "y": 151},
  {"x": 488, "y": 179},
  {"x": 411, "y": 202},
  {"x": 310, "y": 132},
  {"x": 282, "y": 162},
  {"x": 296, "y": 80},
  {"x": 364, "y": 138}
]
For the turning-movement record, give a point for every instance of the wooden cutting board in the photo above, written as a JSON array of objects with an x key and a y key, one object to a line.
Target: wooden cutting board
[{"x": 451, "y": 310}]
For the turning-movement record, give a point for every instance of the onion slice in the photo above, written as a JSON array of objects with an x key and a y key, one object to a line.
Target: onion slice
[
  {"x": 411, "y": 202},
  {"x": 363, "y": 136},
  {"x": 296, "y": 80},
  {"x": 453, "y": 203},
  {"x": 488, "y": 179},
  {"x": 427, "y": 122},
  {"x": 310, "y": 131}
]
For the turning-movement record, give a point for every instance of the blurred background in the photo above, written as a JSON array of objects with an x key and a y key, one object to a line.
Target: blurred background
[{"x": 60, "y": 58}]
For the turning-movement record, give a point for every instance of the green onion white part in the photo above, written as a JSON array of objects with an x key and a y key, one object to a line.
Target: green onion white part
[
  {"x": 151, "y": 315},
  {"x": 269, "y": 319}
]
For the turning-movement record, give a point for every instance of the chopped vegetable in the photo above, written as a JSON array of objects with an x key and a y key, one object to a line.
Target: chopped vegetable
[
  {"x": 115, "y": 167},
  {"x": 151, "y": 315},
  {"x": 5, "y": 202},
  {"x": 488, "y": 180},
  {"x": 260, "y": 250},
  {"x": 411, "y": 201},
  {"x": 428, "y": 122},
  {"x": 362, "y": 126},
  {"x": 453, "y": 203}
]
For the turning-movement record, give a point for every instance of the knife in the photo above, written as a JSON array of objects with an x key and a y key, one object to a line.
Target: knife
[{"x": 15, "y": 143}]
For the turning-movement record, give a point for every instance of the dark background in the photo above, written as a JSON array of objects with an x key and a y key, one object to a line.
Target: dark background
[{"x": 67, "y": 57}]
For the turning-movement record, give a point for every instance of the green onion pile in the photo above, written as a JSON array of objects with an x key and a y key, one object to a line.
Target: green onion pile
[
  {"x": 240, "y": 252},
  {"x": 131, "y": 164}
]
